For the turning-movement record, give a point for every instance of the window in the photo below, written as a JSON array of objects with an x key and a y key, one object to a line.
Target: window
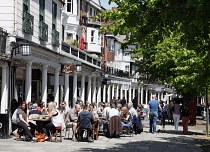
[
  {"x": 63, "y": 32},
  {"x": 70, "y": 6},
  {"x": 26, "y": 4},
  {"x": 110, "y": 44},
  {"x": 41, "y": 10},
  {"x": 92, "y": 35},
  {"x": 84, "y": 6},
  {"x": 127, "y": 68},
  {"x": 102, "y": 40},
  {"x": 90, "y": 13},
  {"x": 69, "y": 36},
  {"x": 54, "y": 15},
  {"x": 99, "y": 37}
]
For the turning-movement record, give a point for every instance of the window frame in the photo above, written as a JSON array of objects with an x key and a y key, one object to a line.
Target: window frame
[
  {"x": 69, "y": 4},
  {"x": 92, "y": 36}
]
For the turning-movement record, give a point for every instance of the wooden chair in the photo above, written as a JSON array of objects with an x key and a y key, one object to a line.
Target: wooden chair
[
  {"x": 54, "y": 133},
  {"x": 68, "y": 129}
]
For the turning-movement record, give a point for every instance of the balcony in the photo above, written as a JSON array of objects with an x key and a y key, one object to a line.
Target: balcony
[
  {"x": 43, "y": 31},
  {"x": 92, "y": 22},
  {"x": 80, "y": 55},
  {"x": 28, "y": 23},
  {"x": 55, "y": 38},
  {"x": 115, "y": 72}
]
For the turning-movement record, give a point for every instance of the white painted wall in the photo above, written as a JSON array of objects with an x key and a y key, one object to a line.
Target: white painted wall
[
  {"x": 7, "y": 19},
  {"x": 7, "y": 15}
]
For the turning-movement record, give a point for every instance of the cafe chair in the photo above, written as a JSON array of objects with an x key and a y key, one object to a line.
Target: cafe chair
[
  {"x": 20, "y": 133},
  {"x": 67, "y": 130},
  {"x": 54, "y": 134},
  {"x": 115, "y": 126},
  {"x": 83, "y": 134}
]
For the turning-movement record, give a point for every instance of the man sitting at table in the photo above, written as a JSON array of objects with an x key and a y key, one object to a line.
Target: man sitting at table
[
  {"x": 32, "y": 114},
  {"x": 113, "y": 111},
  {"x": 71, "y": 119},
  {"x": 85, "y": 121}
]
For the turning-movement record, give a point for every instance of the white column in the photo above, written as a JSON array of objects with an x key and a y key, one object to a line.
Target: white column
[
  {"x": 134, "y": 91},
  {"x": 150, "y": 95},
  {"x": 109, "y": 94},
  {"x": 89, "y": 89},
  {"x": 94, "y": 89},
  {"x": 28, "y": 81},
  {"x": 104, "y": 94},
  {"x": 117, "y": 91},
  {"x": 66, "y": 89},
  {"x": 146, "y": 96},
  {"x": 99, "y": 91},
  {"x": 126, "y": 92},
  {"x": 121, "y": 91},
  {"x": 4, "y": 91},
  {"x": 83, "y": 88},
  {"x": 44, "y": 83},
  {"x": 139, "y": 92},
  {"x": 161, "y": 95},
  {"x": 142, "y": 94},
  {"x": 113, "y": 95},
  {"x": 130, "y": 94},
  {"x": 74, "y": 88},
  {"x": 56, "y": 86}
]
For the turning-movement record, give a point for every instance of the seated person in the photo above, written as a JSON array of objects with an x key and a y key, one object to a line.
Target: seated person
[
  {"x": 92, "y": 110},
  {"x": 113, "y": 111},
  {"x": 55, "y": 117},
  {"x": 126, "y": 117},
  {"x": 33, "y": 123},
  {"x": 85, "y": 121},
  {"x": 71, "y": 119},
  {"x": 22, "y": 119}
]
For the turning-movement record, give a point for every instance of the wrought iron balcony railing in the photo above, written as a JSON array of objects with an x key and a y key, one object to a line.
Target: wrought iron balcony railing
[
  {"x": 80, "y": 55},
  {"x": 116, "y": 72},
  {"x": 55, "y": 38},
  {"x": 28, "y": 23},
  {"x": 43, "y": 31}
]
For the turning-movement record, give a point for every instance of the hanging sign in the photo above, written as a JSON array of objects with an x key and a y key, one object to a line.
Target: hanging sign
[{"x": 67, "y": 69}]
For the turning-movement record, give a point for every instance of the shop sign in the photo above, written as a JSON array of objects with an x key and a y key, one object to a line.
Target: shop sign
[
  {"x": 67, "y": 69},
  {"x": 106, "y": 81}
]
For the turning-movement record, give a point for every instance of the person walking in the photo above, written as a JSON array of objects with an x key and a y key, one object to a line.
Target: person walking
[
  {"x": 176, "y": 110},
  {"x": 185, "y": 111},
  {"x": 153, "y": 106}
]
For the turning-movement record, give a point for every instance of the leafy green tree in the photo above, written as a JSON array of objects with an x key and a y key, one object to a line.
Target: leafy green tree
[{"x": 172, "y": 39}]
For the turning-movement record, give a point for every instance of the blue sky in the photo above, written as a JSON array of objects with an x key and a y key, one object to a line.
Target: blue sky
[{"x": 105, "y": 4}]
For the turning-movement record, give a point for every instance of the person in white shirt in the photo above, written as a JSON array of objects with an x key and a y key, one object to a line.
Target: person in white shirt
[
  {"x": 132, "y": 110},
  {"x": 113, "y": 111}
]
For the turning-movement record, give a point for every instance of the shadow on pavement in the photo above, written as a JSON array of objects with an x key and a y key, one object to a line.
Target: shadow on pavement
[{"x": 176, "y": 144}]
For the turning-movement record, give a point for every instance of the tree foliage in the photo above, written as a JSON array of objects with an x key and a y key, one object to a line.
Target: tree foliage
[{"x": 172, "y": 38}]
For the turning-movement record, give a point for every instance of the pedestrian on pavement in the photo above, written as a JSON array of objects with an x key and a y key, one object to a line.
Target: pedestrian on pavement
[
  {"x": 176, "y": 110},
  {"x": 153, "y": 106},
  {"x": 162, "y": 118},
  {"x": 185, "y": 111}
]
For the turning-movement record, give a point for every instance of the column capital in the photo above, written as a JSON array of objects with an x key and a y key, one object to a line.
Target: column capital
[
  {"x": 57, "y": 69},
  {"x": 29, "y": 63}
]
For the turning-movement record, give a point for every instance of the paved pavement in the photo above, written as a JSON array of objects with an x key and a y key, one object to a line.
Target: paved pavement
[{"x": 195, "y": 141}]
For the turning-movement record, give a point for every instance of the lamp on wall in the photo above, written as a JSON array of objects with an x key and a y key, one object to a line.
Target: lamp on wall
[
  {"x": 24, "y": 49},
  {"x": 78, "y": 68}
]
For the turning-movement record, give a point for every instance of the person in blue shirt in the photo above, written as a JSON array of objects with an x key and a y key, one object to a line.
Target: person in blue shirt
[{"x": 153, "y": 115}]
